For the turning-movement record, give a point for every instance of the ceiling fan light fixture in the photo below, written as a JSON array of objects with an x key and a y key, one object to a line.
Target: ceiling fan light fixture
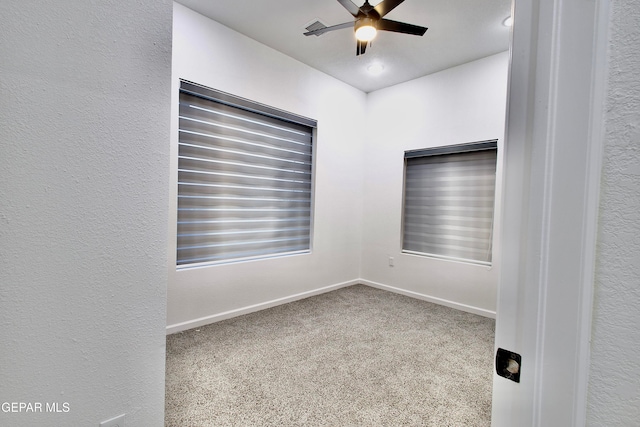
[
  {"x": 365, "y": 29},
  {"x": 368, "y": 21}
]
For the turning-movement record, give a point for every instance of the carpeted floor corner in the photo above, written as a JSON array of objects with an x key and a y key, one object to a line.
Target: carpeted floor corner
[{"x": 357, "y": 356}]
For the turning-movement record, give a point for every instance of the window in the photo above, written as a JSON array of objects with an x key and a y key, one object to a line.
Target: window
[
  {"x": 244, "y": 179},
  {"x": 449, "y": 202}
]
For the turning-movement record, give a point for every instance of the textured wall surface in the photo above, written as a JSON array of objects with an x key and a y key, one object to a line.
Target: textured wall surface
[
  {"x": 614, "y": 388},
  {"x": 84, "y": 161}
]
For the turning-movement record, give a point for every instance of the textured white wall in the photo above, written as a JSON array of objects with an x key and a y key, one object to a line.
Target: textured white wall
[
  {"x": 458, "y": 105},
  {"x": 614, "y": 387},
  {"x": 211, "y": 54},
  {"x": 84, "y": 164}
]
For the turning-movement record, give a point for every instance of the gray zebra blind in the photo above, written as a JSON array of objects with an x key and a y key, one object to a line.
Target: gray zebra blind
[
  {"x": 244, "y": 179},
  {"x": 449, "y": 202}
]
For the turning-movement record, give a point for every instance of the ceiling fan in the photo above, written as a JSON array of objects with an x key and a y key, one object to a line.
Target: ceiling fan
[{"x": 370, "y": 19}]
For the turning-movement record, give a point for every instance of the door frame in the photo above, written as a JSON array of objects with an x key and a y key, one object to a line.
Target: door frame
[{"x": 553, "y": 159}]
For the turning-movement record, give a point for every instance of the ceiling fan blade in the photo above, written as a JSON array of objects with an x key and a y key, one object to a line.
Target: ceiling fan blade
[
  {"x": 361, "y": 47},
  {"x": 321, "y": 31},
  {"x": 401, "y": 27},
  {"x": 350, "y": 6},
  {"x": 386, "y": 6}
]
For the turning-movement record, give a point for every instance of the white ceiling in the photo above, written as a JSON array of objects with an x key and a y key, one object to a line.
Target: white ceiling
[{"x": 459, "y": 31}]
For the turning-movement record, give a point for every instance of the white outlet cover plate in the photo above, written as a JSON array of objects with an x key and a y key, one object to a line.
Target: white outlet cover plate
[{"x": 114, "y": 422}]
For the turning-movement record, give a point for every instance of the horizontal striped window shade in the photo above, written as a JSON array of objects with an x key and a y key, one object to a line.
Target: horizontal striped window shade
[
  {"x": 449, "y": 202},
  {"x": 244, "y": 179}
]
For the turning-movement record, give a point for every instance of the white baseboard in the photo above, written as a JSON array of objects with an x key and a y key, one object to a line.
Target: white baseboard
[
  {"x": 183, "y": 326},
  {"x": 179, "y": 327},
  {"x": 458, "y": 306}
]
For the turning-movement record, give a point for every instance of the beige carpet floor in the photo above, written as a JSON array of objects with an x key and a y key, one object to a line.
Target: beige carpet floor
[{"x": 357, "y": 356}]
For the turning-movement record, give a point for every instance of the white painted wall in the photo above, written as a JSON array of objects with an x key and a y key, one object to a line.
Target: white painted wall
[
  {"x": 458, "y": 105},
  {"x": 614, "y": 386},
  {"x": 463, "y": 104},
  {"x": 211, "y": 54},
  {"x": 82, "y": 294},
  {"x": 84, "y": 164}
]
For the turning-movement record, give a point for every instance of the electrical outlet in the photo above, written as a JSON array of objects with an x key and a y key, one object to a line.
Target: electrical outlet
[
  {"x": 114, "y": 422},
  {"x": 391, "y": 261}
]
